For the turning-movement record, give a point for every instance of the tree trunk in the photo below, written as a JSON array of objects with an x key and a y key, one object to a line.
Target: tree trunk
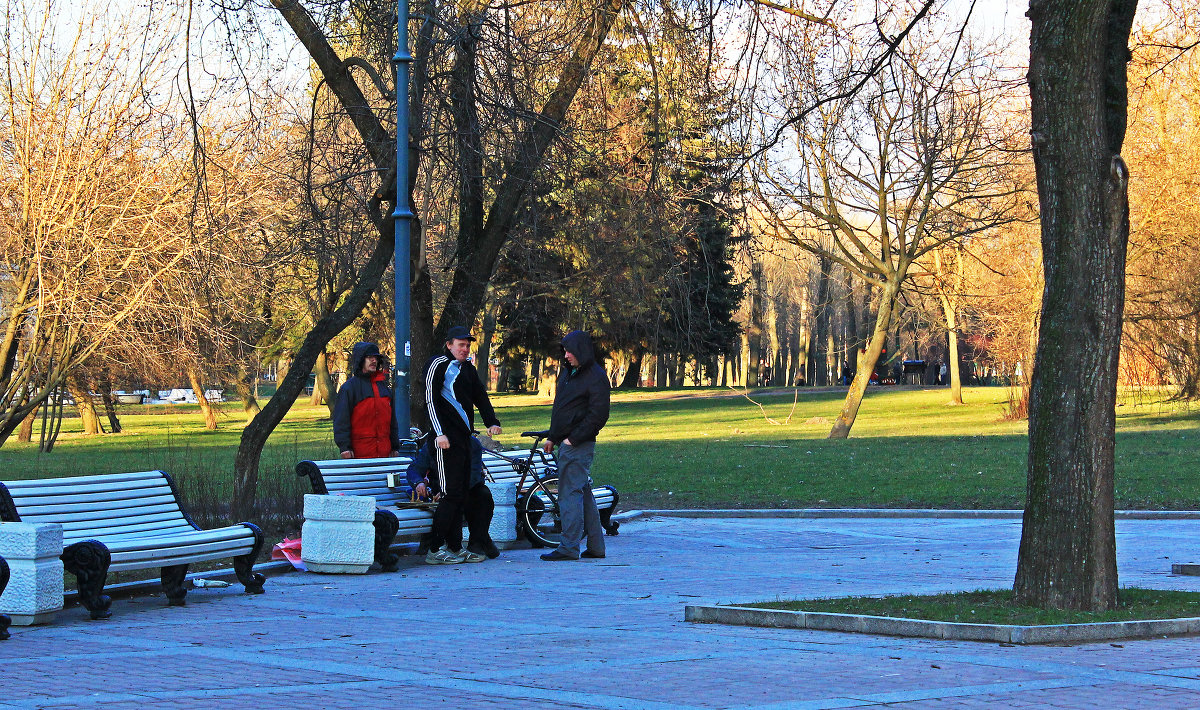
[
  {"x": 754, "y": 331},
  {"x": 25, "y": 433},
  {"x": 323, "y": 389},
  {"x": 483, "y": 353},
  {"x": 853, "y": 340},
  {"x": 1077, "y": 85},
  {"x": 246, "y": 394},
  {"x": 114, "y": 424},
  {"x": 206, "y": 408},
  {"x": 633, "y": 375},
  {"x": 866, "y": 363},
  {"x": 819, "y": 374},
  {"x": 85, "y": 405}
]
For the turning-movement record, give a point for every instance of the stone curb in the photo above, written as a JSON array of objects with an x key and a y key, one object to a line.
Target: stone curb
[
  {"x": 944, "y": 630},
  {"x": 881, "y": 513}
]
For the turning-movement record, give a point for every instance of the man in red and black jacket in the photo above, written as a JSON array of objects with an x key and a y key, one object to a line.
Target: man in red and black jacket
[{"x": 364, "y": 421}]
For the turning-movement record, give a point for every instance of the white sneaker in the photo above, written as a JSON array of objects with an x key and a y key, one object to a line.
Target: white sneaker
[
  {"x": 443, "y": 556},
  {"x": 469, "y": 556}
]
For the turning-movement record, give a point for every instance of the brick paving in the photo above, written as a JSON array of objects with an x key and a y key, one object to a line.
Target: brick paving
[{"x": 608, "y": 634}]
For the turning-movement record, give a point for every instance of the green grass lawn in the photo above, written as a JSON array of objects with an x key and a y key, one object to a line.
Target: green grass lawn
[
  {"x": 909, "y": 448},
  {"x": 995, "y": 606}
]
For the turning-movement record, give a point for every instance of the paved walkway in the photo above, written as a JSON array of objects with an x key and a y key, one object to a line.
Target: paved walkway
[{"x": 607, "y": 634}]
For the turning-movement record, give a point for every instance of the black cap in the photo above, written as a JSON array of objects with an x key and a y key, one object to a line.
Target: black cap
[{"x": 457, "y": 332}]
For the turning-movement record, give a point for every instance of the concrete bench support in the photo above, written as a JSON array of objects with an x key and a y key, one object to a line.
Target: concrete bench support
[
  {"x": 338, "y": 534},
  {"x": 34, "y": 594},
  {"x": 504, "y": 520}
]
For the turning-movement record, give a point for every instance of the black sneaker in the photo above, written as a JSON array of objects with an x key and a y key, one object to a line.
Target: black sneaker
[
  {"x": 556, "y": 556},
  {"x": 488, "y": 549},
  {"x": 588, "y": 554}
]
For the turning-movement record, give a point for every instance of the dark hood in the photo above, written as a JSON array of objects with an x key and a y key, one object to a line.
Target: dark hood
[
  {"x": 579, "y": 344},
  {"x": 360, "y": 353}
]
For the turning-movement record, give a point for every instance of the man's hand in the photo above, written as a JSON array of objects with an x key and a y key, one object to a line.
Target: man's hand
[
  {"x": 495, "y": 430},
  {"x": 442, "y": 442},
  {"x": 394, "y": 453},
  {"x": 548, "y": 446},
  {"x": 567, "y": 442},
  {"x": 422, "y": 490},
  {"x": 346, "y": 455}
]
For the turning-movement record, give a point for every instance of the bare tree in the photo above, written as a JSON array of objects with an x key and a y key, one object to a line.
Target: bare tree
[
  {"x": 95, "y": 193},
  {"x": 889, "y": 174}
]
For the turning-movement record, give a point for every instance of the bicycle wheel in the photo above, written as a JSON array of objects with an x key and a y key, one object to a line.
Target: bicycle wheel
[{"x": 538, "y": 514}]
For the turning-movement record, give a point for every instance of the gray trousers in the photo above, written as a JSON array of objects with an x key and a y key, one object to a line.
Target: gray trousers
[{"x": 576, "y": 506}]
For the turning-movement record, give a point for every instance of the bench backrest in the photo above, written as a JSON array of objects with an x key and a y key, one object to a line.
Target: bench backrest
[
  {"x": 504, "y": 471},
  {"x": 358, "y": 477},
  {"x": 106, "y": 505},
  {"x": 368, "y": 477}
]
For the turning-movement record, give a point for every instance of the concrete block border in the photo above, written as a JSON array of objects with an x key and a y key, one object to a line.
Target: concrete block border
[{"x": 944, "y": 630}]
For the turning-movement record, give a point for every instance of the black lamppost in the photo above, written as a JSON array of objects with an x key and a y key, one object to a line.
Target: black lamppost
[{"x": 403, "y": 216}]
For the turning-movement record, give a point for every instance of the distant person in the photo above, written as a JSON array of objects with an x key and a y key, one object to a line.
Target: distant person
[
  {"x": 364, "y": 420},
  {"x": 452, "y": 391},
  {"x": 943, "y": 370},
  {"x": 581, "y": 405},
  {"x": 847, "y": 373}
]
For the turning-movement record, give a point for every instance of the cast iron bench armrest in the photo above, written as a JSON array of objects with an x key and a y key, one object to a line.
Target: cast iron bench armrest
[{"x": 128, "y": 521}]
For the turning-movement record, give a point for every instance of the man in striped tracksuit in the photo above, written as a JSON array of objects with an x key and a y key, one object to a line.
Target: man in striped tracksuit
[{"x": 452, "y": 391}]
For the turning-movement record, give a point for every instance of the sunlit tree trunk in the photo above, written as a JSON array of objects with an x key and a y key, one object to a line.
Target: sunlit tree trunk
[
  {"x": 866, "y": 363},
  {"x": 206, "y": 408},
  {"x": 1077, "y": 83},
  {"x": 85, "y": 405}
]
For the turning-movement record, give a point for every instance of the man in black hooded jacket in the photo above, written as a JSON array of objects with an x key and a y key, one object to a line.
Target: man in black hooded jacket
[{"x": 581, "y": 405}]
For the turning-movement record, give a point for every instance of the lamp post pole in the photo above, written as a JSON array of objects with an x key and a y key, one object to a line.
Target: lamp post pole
[{"x": 403, "y": 217}]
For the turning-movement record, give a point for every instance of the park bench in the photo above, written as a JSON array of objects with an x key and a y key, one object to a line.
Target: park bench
[
  {"x": 395, "y": 514},
  {"x": 128, "y": 521},
  {"x": 4, "y": 620}
]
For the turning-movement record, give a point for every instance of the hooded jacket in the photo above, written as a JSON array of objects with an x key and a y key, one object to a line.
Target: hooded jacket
[
  {"x": 581, "y": 401},
  {"x": 364, "y": 420},
  {"x": 455, "y": 416}
]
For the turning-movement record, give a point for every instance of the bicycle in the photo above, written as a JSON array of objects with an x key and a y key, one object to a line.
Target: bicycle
[{"x": 537, "y": 505}]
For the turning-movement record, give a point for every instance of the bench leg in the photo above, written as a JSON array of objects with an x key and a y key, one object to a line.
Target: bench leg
[
  {"x": 610, "y": 528},
  {"x": 173, "y": 577},
  {"x": 4, "y": 620},
  {"x": 88, "y": 560},
  {"x": 386, "y": 527},
  {"x": 243, "y": 565}
]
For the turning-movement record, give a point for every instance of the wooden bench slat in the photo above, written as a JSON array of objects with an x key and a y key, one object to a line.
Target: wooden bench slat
[
  {"x": 78, "y": 533},
  {"x": 103, "y": 510},
  {"x": 125, "y": 543},
  {"x": 97, "y": 517},
  {"x": 28, "y": 484},
  {"x": 160, "y": 520},
  {"x": 103, "y": 489},
  {"x": 184, "y": 556},
  {"x": 333, "y": 466},
  {"x": 74, "y": 497}
]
